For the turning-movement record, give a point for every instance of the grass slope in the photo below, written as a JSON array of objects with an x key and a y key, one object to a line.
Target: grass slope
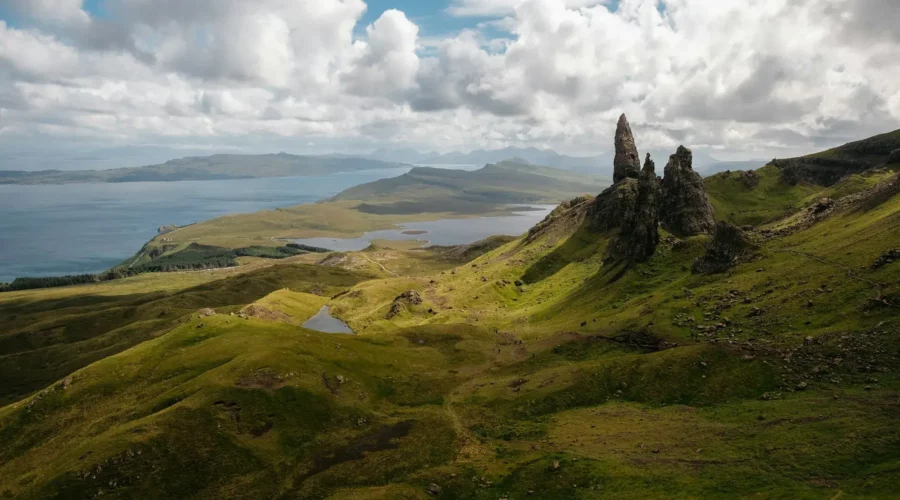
[{"x": 536, "y": 369}]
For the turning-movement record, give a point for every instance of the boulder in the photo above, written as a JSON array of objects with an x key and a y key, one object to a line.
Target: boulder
[
  {"x": 685, "y": 210},
  {"x": 627, "y": 163},
  {"x": 728, "y": 247},
  {"x": 402, "y": 301}
]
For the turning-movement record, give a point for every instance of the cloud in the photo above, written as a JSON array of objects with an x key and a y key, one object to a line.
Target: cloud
[
  {"x": 485, "y": 8},
  {"x": 748, "y": 78},
  {"x": 386, "y": 63},
  {"x": 54, "y": 12}
]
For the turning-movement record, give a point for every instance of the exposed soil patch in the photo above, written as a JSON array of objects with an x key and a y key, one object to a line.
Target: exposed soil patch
[
  {"x": 255, "y": 311},
  {"x": 377, "y": 441},
  {"x": 264, "y": 378}
]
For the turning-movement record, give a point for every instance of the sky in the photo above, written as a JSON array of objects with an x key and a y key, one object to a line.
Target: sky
[{"x": 738, "y": 79}]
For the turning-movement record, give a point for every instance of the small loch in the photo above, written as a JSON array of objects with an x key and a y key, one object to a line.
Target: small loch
[{"x": 324, "y": 322}]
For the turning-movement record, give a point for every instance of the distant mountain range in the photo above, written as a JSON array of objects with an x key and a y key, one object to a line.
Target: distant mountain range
[
  {"x": 595, "y": 165},
  {"x": 215, "y": 167},
  {"x": 246, "y": 166}
]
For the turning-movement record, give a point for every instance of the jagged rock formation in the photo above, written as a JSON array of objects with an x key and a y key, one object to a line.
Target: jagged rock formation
[
  {"x": 728, "y": 248},
  {"x": 685, "y": 210},
  {"x": 627, "y": 162},
  {"x": 639, "y": 234},
  {"x": 613, "y": 204}
]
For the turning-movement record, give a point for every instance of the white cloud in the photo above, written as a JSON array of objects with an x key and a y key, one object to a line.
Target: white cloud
[
  {"x": 386, "y": 62},
  {"x": 485, "y": 8},
  {"x": 749, "y": 78}
]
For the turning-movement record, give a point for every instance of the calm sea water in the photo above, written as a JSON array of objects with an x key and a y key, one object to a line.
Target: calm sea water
[{"x": 85, "y": 228}]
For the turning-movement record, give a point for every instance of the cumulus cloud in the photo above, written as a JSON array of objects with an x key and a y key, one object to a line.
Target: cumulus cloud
[
  {"x": 749, "y": 78},
  {"x": 386, "y": 62}
]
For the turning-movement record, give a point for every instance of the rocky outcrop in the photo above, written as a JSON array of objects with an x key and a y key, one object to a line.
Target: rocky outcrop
[
  {"x": 611, "y": 207},
  {"x": 685, "y": 210},
  {"x": 729, "y": 247},
  {"x": 638, "y": 233},
  {"x": 402, "y": 301},
  {"x": 166, "y": 229},
  {"x": 894, "y": 157},
  {"x": 627, "y": 163}
]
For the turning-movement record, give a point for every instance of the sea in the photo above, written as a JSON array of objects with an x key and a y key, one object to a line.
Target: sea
[{"x": 55, "y": 230}]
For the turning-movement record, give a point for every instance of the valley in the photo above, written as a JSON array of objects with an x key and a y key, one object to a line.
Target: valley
[{"x": 732, "y": 336}]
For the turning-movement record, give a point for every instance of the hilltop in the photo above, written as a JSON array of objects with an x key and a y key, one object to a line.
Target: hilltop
[
  {"x": 437, "y": 189},
  {"x": 672, "y": 336},
  {"x": 193, "y": 168}
]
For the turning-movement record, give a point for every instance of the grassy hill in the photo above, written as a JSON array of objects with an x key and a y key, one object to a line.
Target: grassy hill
[
  {"x": 420, "y": 195},
  {"x": 439, "y": 190},
  {"x": 215, "y": 167},
  {"x": 537, "y": 369}
]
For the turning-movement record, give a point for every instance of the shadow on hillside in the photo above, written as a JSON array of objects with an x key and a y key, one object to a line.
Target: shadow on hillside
[
  {"x": 42, "y": 341},
  {"x": 580, "y": 246}
]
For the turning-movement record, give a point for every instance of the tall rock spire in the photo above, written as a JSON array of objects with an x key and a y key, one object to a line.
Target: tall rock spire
[
  {"x": 638, "y": 235},
  {"x": 685, "y": 211},
  {"x": 627, "y": 162}
]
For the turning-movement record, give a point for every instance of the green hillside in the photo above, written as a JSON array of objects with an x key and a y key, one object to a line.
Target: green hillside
[
  {"x": 534, "y": 368},
  {"x": 426, "y": 189}
]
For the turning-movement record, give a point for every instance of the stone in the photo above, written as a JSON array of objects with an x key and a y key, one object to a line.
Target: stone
[
  {"x": 434, "y": 489},
  {"x": 685, "y": 210},
  {"x": 627, "y": 162},
  {"x": 728, "y": 248}
]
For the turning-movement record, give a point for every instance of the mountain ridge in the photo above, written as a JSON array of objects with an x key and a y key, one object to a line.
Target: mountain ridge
[{"x": 213, "y": 167}]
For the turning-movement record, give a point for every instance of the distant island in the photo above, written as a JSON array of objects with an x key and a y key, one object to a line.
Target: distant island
[{"x": 204, "y": 168}]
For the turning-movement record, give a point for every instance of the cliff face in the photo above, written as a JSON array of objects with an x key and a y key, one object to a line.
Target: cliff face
[
  {"x": 685, "y": 209},
  {"x": 829, "y": 167}
]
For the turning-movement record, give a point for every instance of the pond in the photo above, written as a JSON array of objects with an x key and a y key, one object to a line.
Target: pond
[
  {"x": 441, "y": 232},
  {"x": 324, "y": 322}
]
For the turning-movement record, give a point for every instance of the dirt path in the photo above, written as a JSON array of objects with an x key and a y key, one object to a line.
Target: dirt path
[{"x": 379, "y": 264}]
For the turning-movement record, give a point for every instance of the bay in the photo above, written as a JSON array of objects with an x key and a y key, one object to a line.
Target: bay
[{"x": 54, "y": 230}]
